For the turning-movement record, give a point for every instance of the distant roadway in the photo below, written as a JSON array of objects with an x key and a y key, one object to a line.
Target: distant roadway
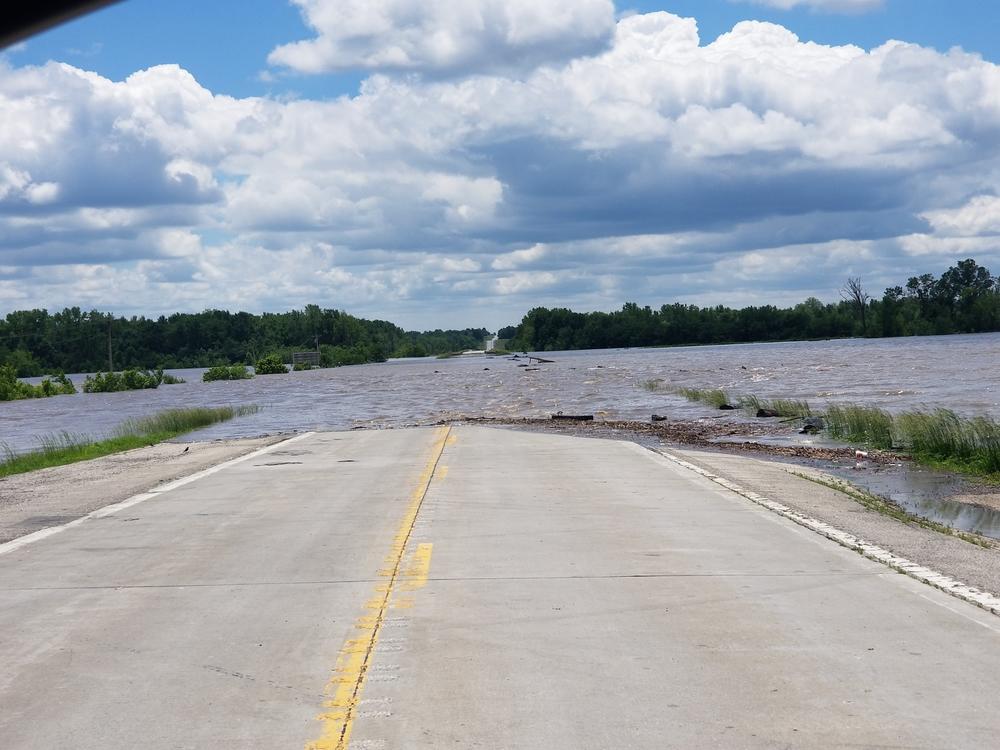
[{"x": 470, "y": 587}]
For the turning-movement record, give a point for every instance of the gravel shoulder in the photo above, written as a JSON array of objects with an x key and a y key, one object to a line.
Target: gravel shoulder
[
  {"x": 974, "y": 565},
  {"x": 49, "y": 497}
]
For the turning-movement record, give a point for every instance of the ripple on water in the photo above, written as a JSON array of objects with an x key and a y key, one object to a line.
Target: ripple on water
[{"x": 952, "y": 371}]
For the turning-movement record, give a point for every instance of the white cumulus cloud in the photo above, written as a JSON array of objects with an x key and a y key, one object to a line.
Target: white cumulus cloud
[
  {"x": 444, "y": 37},
  {"x": 658, "y": 168}
]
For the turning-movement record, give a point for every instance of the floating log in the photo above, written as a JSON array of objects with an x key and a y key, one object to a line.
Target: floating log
[{"x": 574, "y": 417}]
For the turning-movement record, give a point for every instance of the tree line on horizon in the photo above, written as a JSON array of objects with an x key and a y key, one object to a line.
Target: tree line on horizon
[
  {"x": 35, "y": 342},
  {"x": 964, "y": 299}
]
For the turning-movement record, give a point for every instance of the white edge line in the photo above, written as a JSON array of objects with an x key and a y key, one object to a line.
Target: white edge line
[
  {"x": 107, "y": 510},
  {"x": 944, "y": 583}
]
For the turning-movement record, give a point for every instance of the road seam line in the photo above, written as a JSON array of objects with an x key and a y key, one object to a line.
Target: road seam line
[
  {"x": 108, "y": 510},
  {"x": 948, "y": 585},
  {"x": 346, "y": 684}
]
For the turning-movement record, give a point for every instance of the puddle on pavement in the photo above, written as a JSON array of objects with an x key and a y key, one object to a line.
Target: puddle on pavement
[
  {"x": 920, "y": 491},
  {"x": 924, "y": 493}
]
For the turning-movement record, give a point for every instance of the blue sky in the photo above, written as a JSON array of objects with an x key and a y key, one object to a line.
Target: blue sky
[
  {"x": 225, "y": 44},
  {"x": 444, "y": 165}
]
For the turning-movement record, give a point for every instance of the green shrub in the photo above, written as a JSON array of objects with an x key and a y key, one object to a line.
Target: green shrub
[
  {"x": 299, "y": 366},
  {"x": 57, "y": 385},
  {"x": 270, "y": 365},
  {"x": 358, "y": 354},
  {"x": 227, "y": 372},
  {"x": 409, "y": 349},
  {"x": 12, "y": 389},
  {"x": 127, "y": 380}
]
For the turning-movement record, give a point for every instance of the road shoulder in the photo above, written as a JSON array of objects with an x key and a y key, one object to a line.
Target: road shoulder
[
  {"x": 787, "y": 484},
  {"x": 50, "y": 497}
]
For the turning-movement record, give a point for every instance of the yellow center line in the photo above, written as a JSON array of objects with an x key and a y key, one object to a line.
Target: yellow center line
[{"x": 348, "y": 679}]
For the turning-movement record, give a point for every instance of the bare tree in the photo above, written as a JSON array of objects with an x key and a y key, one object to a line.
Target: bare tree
[{"x": 855, "y": 293}]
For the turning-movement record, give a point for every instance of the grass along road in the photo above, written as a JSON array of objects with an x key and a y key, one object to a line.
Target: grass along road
[{"x": 66, "y": 448}]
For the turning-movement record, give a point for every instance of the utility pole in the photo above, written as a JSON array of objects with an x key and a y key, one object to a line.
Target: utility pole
[
  {"x": 316, "y": 339},
  {"x": 111, "y": 364}
]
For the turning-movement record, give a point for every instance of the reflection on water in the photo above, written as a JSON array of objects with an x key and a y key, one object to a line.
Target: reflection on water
[{"x": 925, "y": 493}]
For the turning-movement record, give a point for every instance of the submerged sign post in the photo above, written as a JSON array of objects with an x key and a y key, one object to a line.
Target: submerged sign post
[{"x": 305, "y": 358}]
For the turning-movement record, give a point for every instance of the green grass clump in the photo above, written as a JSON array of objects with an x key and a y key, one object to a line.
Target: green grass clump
[
  {"x": 65, "y": 447},
  {"x": 270, "y": 365},
  {"x": 179, "y": 421},
  {"x": 939, "y": 438},
  {"x": 12, "y": 389},
  {"x": 127, "y": 380},
  {"x": 780, "y": 407},
  {"x": 655, "y": 385},
  {"x": 861, "y": 424},
  {"x": 711, "y": 397},
  {"x": 790, "y": 407},
  {"x": 942, "y": 437},
  {"x": 227, "y": 372}
]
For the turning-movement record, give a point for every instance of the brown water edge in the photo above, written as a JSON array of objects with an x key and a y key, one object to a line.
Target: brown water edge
[{"x": 954, "y": 500}]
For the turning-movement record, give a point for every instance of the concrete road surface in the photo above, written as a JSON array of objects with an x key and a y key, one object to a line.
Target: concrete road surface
[{"x": 475, "y": 588}]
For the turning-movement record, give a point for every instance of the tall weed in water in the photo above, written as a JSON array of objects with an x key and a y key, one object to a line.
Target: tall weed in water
[
  {"x": 789, "y": 407},
  {"x": 941, "y": 436},
  {"x": 710, "y": 396},
  {"x": 655, "y": 385},
  {"x": 863, "y": 424},
  {"x": 65, "y": 447},
  {"x": 179, "y": 421},
  {"x": 780, "y": 407}
]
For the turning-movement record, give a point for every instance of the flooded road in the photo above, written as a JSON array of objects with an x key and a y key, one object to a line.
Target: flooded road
[{"x": 957, "y": 372}]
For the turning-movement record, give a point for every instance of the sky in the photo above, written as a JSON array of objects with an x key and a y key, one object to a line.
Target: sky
[{"x": 444, "y": 164}]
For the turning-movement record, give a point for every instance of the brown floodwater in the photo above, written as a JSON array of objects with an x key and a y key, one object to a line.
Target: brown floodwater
[{"x": 957, "y": 372}]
